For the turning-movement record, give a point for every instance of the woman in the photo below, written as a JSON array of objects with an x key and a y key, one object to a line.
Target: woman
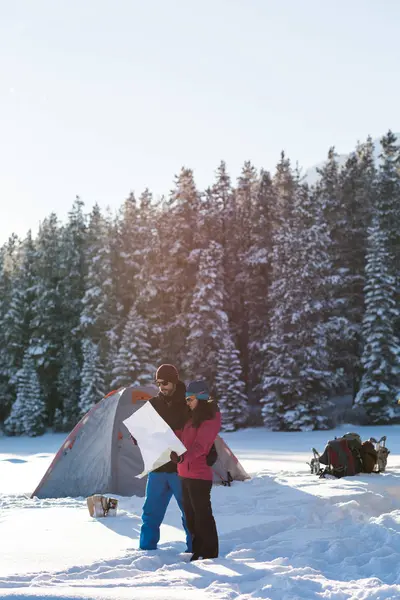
[{"x": 198, "y": 436}]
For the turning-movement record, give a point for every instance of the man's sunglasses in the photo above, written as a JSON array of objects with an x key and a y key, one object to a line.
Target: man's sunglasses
[{"x": 163, "y": 382}]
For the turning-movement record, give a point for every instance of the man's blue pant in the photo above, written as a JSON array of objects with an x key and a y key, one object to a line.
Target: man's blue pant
[{"x": 160, "y": 487}]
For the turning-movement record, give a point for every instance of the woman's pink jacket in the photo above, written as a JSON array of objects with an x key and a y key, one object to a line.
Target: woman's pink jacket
[{"x": 198, "y": 443}]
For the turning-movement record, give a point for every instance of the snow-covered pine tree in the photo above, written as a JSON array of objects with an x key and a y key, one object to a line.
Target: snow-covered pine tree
[
  {"x": 93, "y": 386},
  {"x": 313, "y": 301},
  {"x": 28, "y": 413},
  {"x": 388, "y": 206},
  {"x": 6, "y": 367},
  {"x": 357, "y": 190},
  {"x": 380, "y": 382},
  {"x": 276, "y": 360},
  {"x": 99, "y": 304},
  {"x": 155, "y": 300},
  {"x": 47, "y": 322},
  {"x": 179, "y": 241},
  {"x": 297, "y": 377},
  {"x": 206, "y": 317},
  {"x": 127, "y": 245},
  {"x": 218, "y": 207},
  {"x": 17, "y": 322},
  {"x": 73, "y": 268},
  {"x": 389, "y": 197},
  {"x": 4, "y": 299},
  {"x": 133, "y": 364},
  {"x": 240, "y": 240},
  {"x": 211, "y": 351},
  {"x": 258, "y": 261},
  {"x": 68, "y": 385},
  {"x": 146, "y": 297},
  {"x": 115, "y": 308},
  {"x": 342, "y": 330},
  {"x": 73, "y": 271},
  {"x": 229, "y": 384}
]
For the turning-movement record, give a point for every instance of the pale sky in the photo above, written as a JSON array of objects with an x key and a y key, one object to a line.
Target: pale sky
[{"x": 101, "y": 97}]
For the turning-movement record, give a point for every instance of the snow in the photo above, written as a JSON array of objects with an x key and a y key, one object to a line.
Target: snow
[{"x": 284, "y": 534}]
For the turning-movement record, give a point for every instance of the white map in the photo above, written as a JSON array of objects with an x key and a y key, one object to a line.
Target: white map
[{"x": 154, "y": 437}]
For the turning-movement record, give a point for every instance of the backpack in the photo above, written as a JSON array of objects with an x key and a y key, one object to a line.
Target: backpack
[
  {"x": 342, "y": 456},
  {"x": 369, "y": 457}
]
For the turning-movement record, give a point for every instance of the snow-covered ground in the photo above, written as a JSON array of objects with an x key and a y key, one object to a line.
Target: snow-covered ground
[{"x": 284, "y": 534}]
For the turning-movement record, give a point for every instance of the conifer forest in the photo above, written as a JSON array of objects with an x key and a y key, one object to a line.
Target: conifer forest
[{"x": 280, "y": 293}]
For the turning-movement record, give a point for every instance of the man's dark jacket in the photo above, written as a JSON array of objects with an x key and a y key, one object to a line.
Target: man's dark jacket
[{"x": 174, "y": 410}]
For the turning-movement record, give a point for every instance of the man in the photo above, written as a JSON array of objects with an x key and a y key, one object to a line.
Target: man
[{"x": 164, "y": 482}]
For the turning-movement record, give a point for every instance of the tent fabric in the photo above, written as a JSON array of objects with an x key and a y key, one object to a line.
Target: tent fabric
[
  {"x": 99, "y": 457},
  {"x": 227, "y": 464}
]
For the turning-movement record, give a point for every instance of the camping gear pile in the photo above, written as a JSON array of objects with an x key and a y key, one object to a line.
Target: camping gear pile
[
  {"x": 101, "y": 506},
  {"x": 349, "y": 455}
]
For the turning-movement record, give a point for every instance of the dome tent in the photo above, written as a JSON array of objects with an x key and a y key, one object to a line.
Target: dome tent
[{"x": 99, "y": 457}]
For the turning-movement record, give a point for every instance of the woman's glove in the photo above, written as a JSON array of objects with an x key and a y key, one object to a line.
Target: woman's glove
[{"x": 175, "y": 458}]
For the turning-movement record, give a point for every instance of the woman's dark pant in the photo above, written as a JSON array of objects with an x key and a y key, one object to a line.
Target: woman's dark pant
[{"x": 199, "y": 517}]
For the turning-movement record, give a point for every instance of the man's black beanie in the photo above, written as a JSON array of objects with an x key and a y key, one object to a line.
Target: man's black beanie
[{"x": 168, "y": 373}]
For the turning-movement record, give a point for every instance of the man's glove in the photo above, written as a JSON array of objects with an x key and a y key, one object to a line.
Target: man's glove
[{"x": 175, "y": 458}]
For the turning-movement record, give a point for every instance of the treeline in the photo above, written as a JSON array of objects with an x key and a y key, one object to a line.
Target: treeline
[{"x": 281, "y": 295}]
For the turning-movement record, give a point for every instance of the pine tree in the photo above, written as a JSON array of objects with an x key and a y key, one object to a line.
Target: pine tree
[
  {"x": 133, "y": 363},
  {"x": 138, "y": 266},
  {"x": 179, "y": 240},
  {"x": 211, "y": 351},
  {"x": 343, "y": 330},
  {"x": 218, "y": 205},
  {"x": 28, "y": 413},
  {"x": 297, "y": 378},
  {"x": 155, "y": 297},
  {"x": 73, "y": 269},
  {"x": 240, "y": 240},
  {"x": 220, "y": 223},
  {"x": 258, "y": 261},
  {"x": 276, "y": 360},
  {"x": 229, "y": 384},
  {"x": 206, "y": 316},
  {"x": 389, "y": 197},
  {"x": 93, "y": 386},
  {"x": 357, "y": 191},
  {"x": 381, "y": 355},
  {"x": 7, "y": 370},
  {"x": 17, "y": 321},
  {"x": 47, "y": 321},
  {"x": 68, "y": 386},
  {"x": 127, "y": 248},
  {"x": 313, "y": 302},
  {"x": 99, "y": 305},
  {"x": 388, "y": 207}
]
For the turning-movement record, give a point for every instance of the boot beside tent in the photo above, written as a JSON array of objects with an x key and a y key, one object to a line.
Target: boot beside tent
[{"x": 98, "y": 456}]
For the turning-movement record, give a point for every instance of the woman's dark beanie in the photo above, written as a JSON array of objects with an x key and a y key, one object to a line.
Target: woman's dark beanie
[{"x": 168, "y": 373}]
